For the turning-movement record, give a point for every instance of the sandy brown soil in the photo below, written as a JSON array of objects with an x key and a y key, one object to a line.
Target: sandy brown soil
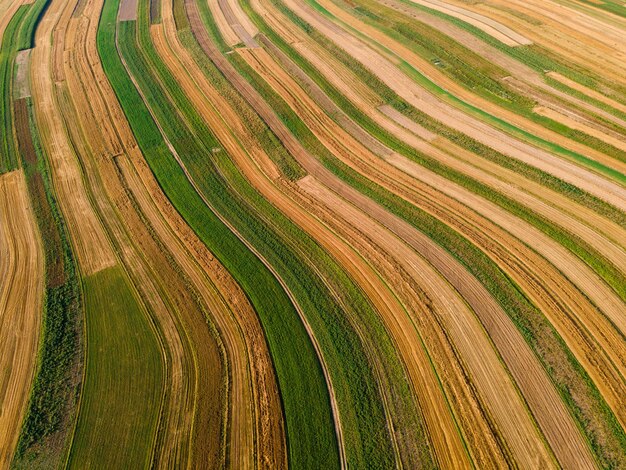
[
  {"x": 127, "y": 11},
  {"x": 21, "y": 295}
]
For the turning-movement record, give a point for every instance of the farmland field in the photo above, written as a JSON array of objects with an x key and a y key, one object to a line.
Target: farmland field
[{"x": 312, "y": 234}]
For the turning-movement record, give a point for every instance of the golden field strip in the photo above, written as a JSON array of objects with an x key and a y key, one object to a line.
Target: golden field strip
[{"x": 260, "y": 234}]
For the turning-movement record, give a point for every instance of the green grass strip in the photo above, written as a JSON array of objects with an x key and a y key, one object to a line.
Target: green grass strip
[{"x": 124, "y": 375}]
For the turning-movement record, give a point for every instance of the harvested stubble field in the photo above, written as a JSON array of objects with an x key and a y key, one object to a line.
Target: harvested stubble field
[{"x": 312, "y": 234}]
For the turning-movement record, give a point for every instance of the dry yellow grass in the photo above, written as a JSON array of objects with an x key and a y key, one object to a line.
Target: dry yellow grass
[{"x": 21, "y": 295}]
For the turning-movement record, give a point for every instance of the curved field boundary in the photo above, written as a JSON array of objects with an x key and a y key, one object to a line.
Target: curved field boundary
[{"x": 251, "y": 171}]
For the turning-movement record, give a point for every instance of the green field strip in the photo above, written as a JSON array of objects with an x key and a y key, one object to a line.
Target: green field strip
[
  {"x": 617, "y": 8},
  {"x": 376, "y": 336},
  {"x": 533, "y": 325},
  {"x": 124, "y": 378},
  {"x": 51, "y": 408},
  {"x": 299, "y": 373}
]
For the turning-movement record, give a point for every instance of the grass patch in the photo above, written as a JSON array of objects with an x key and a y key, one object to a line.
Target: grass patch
[{"x": 124, "y": 378}]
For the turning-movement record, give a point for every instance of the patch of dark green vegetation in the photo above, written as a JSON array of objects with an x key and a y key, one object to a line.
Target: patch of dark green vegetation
[
  {"x": 617, "y": 8},
  {"x": 52, "y": 402},
  {"x": 606, "y": 437}
]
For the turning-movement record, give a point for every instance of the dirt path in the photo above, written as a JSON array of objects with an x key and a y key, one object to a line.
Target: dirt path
[
  {"x": 21, "y": 295},
  {"x": 21, "y": 83}
]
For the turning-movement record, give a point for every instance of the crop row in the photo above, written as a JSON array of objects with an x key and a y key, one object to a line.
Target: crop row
[{"x": 531, "y": 323}]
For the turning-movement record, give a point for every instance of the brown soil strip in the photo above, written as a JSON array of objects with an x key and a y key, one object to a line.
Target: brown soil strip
[
  {"x": 21, "y": 84},
  {"x": 244, "y": 36},
  {"x": 21, "y": 294},
  {"x": 549, "y": 96},
  {"x": 127, "y": 11},
  {"x": 91, "y": 244},
  {"x": 230, "y": 37},
  {"x": 579, "y": 123}
]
